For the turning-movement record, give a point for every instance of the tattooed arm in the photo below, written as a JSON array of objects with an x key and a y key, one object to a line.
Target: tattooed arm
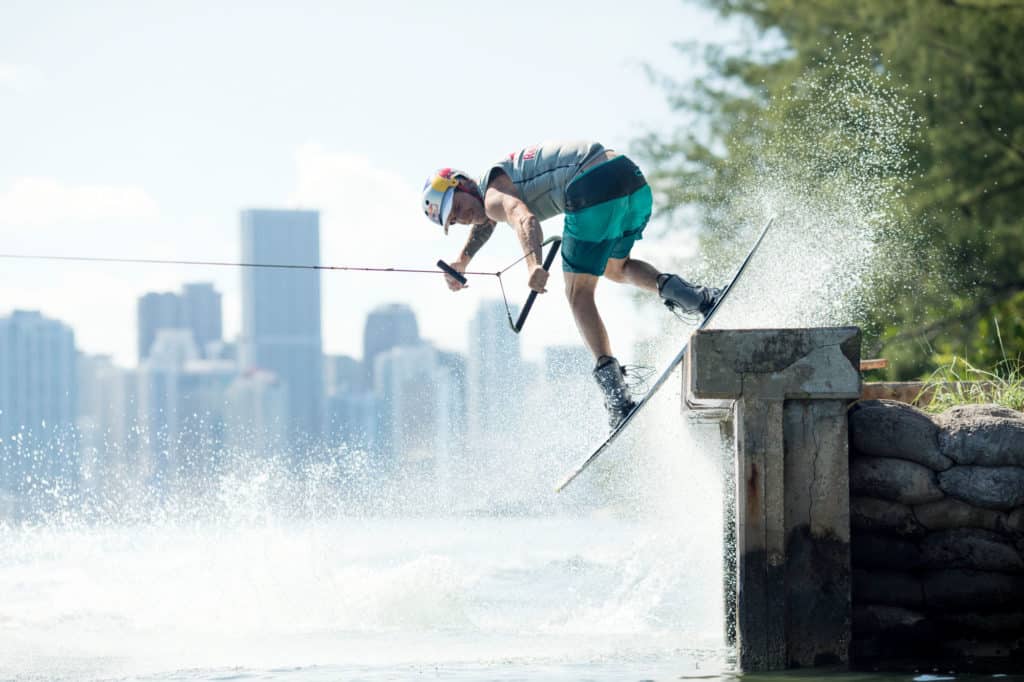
[
  {"x": 478, "y": 236},
  {"x": 504, "y": 203}
]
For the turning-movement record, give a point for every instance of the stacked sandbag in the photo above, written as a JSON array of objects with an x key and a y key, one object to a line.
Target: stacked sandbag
[{"x": 937, "y": 535}]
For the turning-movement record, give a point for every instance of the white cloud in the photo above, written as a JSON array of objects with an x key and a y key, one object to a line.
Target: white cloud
[
  {"x": 368, "y": 210},
  {"x": 46, "y": 202}
]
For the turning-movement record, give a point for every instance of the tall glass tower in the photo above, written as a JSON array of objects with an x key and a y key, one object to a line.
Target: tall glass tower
[
  {"x": 201, "y": 305},
  {"x": 157, "y": 311},
  {"x": 281, "y": 312},
  {"x": 387, "y": 326},
  {"x": 197, "y": 308},
  {"x": 38, "y": 394}
]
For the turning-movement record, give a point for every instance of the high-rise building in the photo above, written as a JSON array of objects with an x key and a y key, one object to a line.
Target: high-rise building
[
  {"x": 161, "y": 405},
  {"x": 204, "y": 388},
  {"x": 387, "y": 326},
  {"x": 494, "y": 381},
  {"x": 257, "y": 414},
  {"x": 415, "y": 390},
  {"x": 352, "y": 420},
  {"x": 157, "y": 311},
  {"x": 181, "y": 400},
  {"x": 281, "y": 312},
  {"x": 351, "y": 404},
  {"x": 455, "y": 364},
  {"x": 342, "y": 374},
  {"x": 222, "y": 350},
  {"x": 38, "y": 399},
  {"x": 197, "y": 308},
  {"x": 107, "y": 421},
  {"x": 201, "y": 312}
]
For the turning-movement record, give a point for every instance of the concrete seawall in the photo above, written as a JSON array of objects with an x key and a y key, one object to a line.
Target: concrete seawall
[
  {"x": 864, "y": 533},
  {"x": 789, "y": 390}
]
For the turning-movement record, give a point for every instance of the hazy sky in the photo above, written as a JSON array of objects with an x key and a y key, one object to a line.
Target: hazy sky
[{"x": 142, "y": 129}]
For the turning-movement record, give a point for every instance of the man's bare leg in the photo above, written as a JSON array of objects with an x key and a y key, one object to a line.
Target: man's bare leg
[
  {"x": 579, "y": 289},
  {"x": 608, "y": 373},
  {"x": 631, "y": 271},
  {"x": 675, "y": 291}
]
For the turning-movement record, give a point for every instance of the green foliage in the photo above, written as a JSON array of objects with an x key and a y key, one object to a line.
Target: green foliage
[
  {"x": 961, "y": 383},
  {"x": 952, "y": 170}
]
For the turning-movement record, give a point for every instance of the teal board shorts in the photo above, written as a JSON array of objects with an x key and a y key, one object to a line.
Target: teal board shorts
[{"x": 606, "y": 210}]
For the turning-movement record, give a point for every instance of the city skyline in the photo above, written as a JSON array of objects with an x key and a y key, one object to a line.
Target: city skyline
[
  {"x": 227, "y": 344},
  {"x": 181, "y": 410},
  {"x": 183, "y": 357}
]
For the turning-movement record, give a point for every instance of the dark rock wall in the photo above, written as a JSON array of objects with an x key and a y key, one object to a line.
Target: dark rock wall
[{"x": 937, "y": 536}]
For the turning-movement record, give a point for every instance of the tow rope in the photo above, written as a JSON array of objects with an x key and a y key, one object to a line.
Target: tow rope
[{"x": 445, "y": 269}]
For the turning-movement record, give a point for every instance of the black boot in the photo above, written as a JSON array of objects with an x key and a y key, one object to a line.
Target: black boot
[
  {"x": 609, "y": 375},
  {"x": 687, "y": 298}
]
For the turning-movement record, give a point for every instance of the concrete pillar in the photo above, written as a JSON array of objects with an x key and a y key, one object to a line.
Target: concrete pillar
[{"x": 790, "y": 389}]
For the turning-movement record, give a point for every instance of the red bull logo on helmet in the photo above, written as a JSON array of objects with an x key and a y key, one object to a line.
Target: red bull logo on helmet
[{"x": 439, "y": 191}]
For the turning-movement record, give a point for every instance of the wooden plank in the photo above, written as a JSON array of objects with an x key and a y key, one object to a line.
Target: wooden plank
[{"x": 920, "y": 392}]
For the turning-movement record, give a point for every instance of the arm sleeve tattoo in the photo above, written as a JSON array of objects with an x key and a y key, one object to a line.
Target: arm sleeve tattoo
[{"x": 478, "y": 236}]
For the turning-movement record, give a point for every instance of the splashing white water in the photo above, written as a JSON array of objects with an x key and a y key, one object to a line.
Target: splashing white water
[
  {"x": 832, "y": 175},
  {"x": 261, "y": 565}
]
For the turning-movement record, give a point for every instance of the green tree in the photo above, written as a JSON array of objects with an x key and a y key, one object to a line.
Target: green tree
[{"x": 951, "y": 73}]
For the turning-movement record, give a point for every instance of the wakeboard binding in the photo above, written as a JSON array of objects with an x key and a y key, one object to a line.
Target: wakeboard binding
[
  {"x": 686, "y": 299},
  {"x": 611, "y": 377}
]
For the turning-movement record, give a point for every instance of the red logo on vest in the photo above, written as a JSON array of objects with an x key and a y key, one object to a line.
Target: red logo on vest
[{"x": 529, "y": 154}]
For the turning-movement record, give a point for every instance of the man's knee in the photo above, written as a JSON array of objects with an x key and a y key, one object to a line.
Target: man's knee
[
  {"x": 615, "y": 269},
  {"x": 579, "y": 289}
]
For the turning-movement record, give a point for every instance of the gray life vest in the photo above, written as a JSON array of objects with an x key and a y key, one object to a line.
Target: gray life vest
[{"x": 542, "y": 172}]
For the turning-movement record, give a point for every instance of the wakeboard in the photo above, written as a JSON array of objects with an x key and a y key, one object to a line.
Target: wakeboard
[{"x": 663, "y": 377}]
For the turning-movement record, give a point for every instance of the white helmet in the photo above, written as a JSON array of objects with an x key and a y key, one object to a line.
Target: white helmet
[{"x": 438, "y": 192}]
